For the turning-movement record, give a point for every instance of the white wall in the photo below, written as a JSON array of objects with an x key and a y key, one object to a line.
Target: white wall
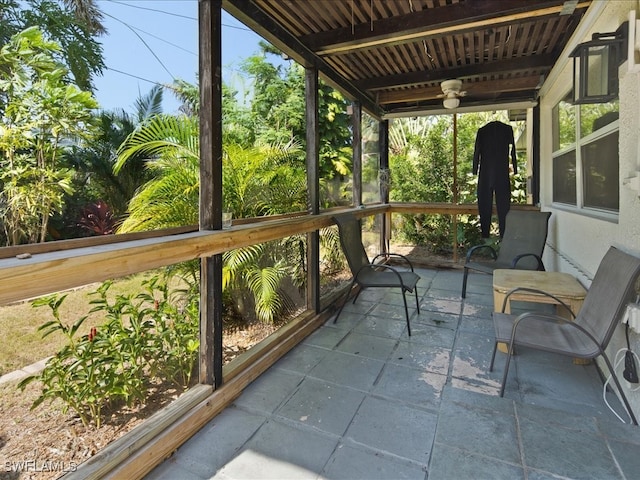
[{"x": 577, "y": 242}]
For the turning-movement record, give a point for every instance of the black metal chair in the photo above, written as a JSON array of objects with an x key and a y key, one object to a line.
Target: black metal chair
[
  {"x": 586, "y": 337},
  {"x": 525, "y": 234},
  {"x": 369, "y": 274}
]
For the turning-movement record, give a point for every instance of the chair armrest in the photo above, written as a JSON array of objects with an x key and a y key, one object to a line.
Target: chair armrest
[
  {"x": 474, "y": 249},
  {"x": 394, "y": 255},
  {"x": 539, "y": 292},
  {"x": 517, "y": 258}
]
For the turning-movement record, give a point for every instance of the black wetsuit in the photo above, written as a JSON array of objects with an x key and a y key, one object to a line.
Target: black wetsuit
[{"x": 491, "y": 160}]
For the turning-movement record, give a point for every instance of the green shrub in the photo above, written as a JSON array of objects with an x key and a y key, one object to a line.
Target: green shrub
[{"x": 152, "y": 335}]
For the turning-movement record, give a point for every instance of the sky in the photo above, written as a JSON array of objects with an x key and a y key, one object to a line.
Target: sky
[{"x": 156, "y": 41}]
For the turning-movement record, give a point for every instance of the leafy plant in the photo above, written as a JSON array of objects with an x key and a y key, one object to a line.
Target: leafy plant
[
  {"x": 152, "y": 335},
  {"x": 97, "y": 219}
]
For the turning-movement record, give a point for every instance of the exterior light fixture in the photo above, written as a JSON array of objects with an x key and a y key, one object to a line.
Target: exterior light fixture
[{"x": 595, "y": 66}]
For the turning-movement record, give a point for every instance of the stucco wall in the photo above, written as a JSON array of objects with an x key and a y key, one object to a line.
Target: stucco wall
[{"x": 577, "y": 242}]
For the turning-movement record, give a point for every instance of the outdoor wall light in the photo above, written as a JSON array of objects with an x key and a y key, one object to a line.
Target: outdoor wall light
[{"x": 595, "y": 66}]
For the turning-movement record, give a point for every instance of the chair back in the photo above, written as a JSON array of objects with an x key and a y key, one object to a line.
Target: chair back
[
  {"x": 613, "y": 286},
  {"x": 351, "y": 241},
  {"x": 525, "y": 232}
]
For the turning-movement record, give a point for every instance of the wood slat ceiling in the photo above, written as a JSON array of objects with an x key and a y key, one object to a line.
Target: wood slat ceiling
[{"x": 392, "y": 55}]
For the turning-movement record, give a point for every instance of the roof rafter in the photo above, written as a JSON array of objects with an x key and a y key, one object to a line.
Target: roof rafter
[
  {"x": 456, "y": 18},
  {"x": 533, "y": 62}
]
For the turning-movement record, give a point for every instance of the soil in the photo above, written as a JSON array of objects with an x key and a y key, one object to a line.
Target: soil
[{"x": 44, "y": 443}]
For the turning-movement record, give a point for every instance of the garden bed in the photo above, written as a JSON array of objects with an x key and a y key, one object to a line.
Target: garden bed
[{"x": 45, "y": 443}]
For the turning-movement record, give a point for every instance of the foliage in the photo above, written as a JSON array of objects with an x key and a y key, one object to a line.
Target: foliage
[
  {"x": 188, "y": 94},
  {"x": 43, "y": 114},
  {"x": 256, "y": 181},
  {"x": 263, "y": 180},
  {"x": 93, "y": 162},
  {"x": 421, "y": 162},
  {"x": 277, "y": 116},
  {"x": 170, "y": 146},
  {"x": 70, "y": 24},
  {"x": 97, "y": 219},
  {"x": 422, "y": 172},
  {"x": 145, "y": 337}
]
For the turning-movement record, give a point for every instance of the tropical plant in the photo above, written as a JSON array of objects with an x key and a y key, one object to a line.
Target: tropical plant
[
  {"x": 422, "y": 171},
  {"x": 263, "y": 180},
  {"x": 97, "y": 219},
  {"x": 72, "y": 24},
  {"x": 257, "y": 181},
  {"x": 170, "y": 146},
  {"x": 278, "y": 118},
  {"x": 43, "y": 116},
  {"x": 149, "y": 336}
]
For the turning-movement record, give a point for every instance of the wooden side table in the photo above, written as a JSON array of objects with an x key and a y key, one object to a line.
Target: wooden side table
[{"x": 562, "y": 285}]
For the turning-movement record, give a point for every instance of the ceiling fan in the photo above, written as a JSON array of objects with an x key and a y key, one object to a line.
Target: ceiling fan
[{"x": 451, "y": 92}]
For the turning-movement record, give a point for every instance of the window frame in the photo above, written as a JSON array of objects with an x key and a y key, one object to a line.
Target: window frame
[{"x": 576, "y": 147}]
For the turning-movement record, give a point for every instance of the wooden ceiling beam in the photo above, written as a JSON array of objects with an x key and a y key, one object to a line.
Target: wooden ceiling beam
[
  {"x": 457, "y": 18},
  {"x": 532, "y": 62}
]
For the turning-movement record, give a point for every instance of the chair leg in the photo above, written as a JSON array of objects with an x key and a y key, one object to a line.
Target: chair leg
[
  {"x": 406, "y": 311},
  {"x": 357, "y": 294},
  {"x": 346, "y": 299},
  {"x": 625, "y": 401},
  {"x": 493, "y": 355},
  {"x": 417, "y": 303},
  {"x": 464, "y": 282},
  {"x": 506, "y": 370}
]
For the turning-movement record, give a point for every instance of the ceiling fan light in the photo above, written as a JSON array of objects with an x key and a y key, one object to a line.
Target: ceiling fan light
[{"x": 451, "y": 102}]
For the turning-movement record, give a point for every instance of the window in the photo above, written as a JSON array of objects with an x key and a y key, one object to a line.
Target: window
[
  {"x": 564, "y": 178},
  {"x": 585, "y": 156},
  {"x": 600, "y": 167}
]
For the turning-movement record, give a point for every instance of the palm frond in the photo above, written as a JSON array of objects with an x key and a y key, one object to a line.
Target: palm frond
[
  {"x": 150, "y": 104},
  {"x": 264, "y": 284},
  {"x": 161, "y": 136}
]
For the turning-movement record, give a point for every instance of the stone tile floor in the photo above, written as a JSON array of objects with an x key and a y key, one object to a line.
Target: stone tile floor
[{"x": 360, "y": 399}]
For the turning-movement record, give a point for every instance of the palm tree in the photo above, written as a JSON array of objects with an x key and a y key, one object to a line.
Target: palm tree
[
  {"x": 87, "y": 13},
  {"x": 94, "y": 162},
  {"x": 255, "y": 180}
]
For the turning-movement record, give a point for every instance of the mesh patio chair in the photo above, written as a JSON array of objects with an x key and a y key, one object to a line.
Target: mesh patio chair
[
  {"x": 368, "y": 274},
  {"x": 587, "y": 336},
  {"x": 525, "y": 234}
]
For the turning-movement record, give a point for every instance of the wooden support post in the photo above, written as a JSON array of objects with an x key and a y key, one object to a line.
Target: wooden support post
[
  {"x": 356, "y": 122},
  {"x": 383, "y": 147},
  {"x": 210, "y": 77},
  {"x": 455, "y": 187},
  {"x": 313, "y": 188},
  {"x": 535, "y": 180}
]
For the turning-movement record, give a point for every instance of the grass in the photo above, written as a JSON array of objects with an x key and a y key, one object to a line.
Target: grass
[{"x": 23, "y": 345}]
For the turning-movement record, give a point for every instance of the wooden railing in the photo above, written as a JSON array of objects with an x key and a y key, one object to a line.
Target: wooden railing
[{"x": 27, "y": 271}]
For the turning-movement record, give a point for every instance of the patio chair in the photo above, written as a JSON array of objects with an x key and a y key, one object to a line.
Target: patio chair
[
  {"x": 368, "y": 274},
  {"x": 585, "y": 337},
  {"x": 525, "y": 234}
]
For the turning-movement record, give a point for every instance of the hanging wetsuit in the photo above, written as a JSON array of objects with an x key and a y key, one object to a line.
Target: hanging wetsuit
[{"x": 491, "y": 159}]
